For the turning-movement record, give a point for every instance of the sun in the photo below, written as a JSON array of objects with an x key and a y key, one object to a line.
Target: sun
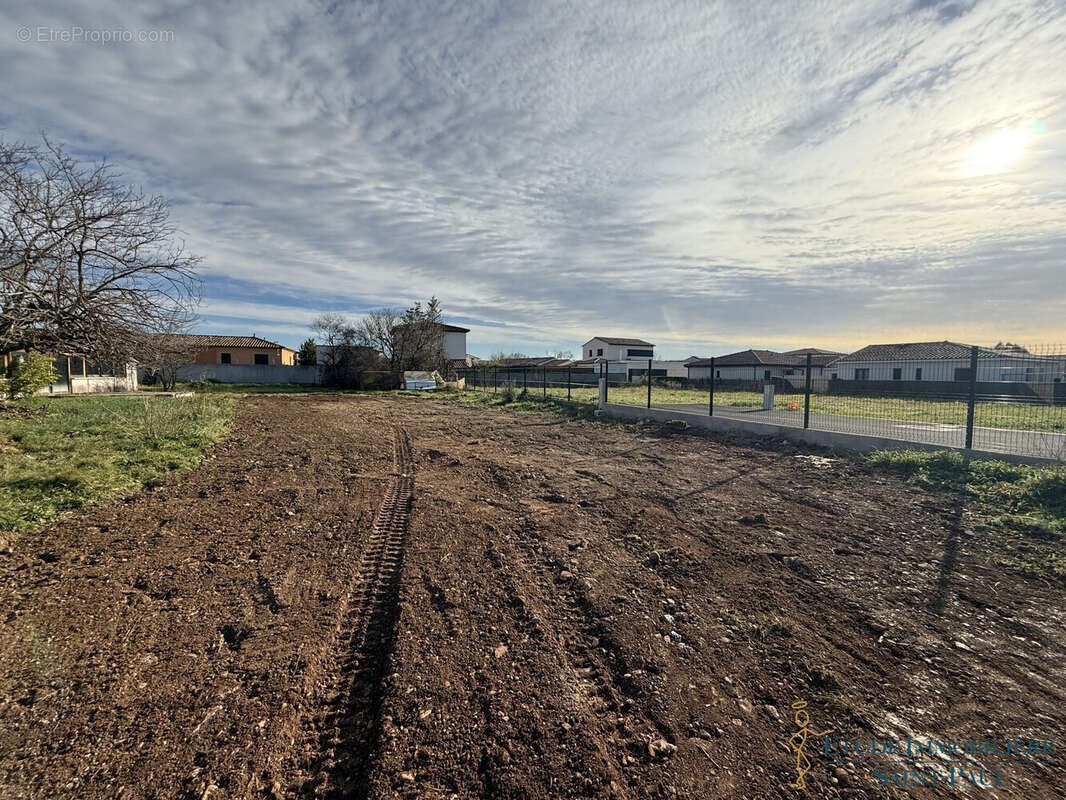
[{"x": 995, "y": 153}]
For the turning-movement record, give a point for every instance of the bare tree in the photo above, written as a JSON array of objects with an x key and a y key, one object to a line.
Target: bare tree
[
  {"x": 343, "y": 357},
  {"x": 85, "y": 260},
  {"x": 503, "y": 355},
  {"x": 376, "y": 330},
  {"x": 162, "y": 353},
  {"x": 408, "y": 340}
]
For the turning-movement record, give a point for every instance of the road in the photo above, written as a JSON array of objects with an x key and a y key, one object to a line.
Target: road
[{"x": 1039, "y": 444}]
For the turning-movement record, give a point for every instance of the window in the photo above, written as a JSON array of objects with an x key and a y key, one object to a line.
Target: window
[
  {"x": 862, "y": 373},
  {"x": 897, "y": 373},
  {"x": 766, "y": 374},
  {"x": 834, "y": 376},
  {"x": 639, "y": 353},
  {"x": 599, "y": 351},
  {"x": 262, "y": 358},
  {"x": 917, "y": 373},
  {"x": 224, "y": 358},
  {"x": 962, "y": 373},
  {"x": 718, "y": 373},
  {"x": 590, "y": 353}
]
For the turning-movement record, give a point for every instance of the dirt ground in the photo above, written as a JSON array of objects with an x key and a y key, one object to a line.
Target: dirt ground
[{"x": 382, "y": 597}]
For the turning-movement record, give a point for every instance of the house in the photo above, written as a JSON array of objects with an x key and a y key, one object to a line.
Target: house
[
  {"x": 79, "y": 375},
  {"x": 763, "y": 365},
  {"x": 455, "y": 342},
  {"x": 946, "y": 362},
  {"x": 633, "y": 355},
  {"x": 236, "y": 350},
  {"x": 614, "y": 348}
]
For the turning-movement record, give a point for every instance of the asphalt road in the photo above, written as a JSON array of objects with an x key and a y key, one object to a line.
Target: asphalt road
[{"x": 1039, "y": 444}]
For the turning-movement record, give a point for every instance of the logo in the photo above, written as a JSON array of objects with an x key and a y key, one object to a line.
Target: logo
[
  {"x": 798, "y": 741},
  {"x": 955, "y": 762}
]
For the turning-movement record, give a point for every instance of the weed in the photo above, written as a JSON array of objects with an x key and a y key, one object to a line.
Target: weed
[{"x": 65, "y": 453}]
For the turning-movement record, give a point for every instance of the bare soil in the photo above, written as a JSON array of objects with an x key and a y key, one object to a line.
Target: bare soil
[{"x": 380, "y": 597}]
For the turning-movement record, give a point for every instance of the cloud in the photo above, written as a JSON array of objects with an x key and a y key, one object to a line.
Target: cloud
[{"x": 697, "y": 174}]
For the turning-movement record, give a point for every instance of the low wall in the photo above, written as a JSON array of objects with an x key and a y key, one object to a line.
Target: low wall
[
  {"x": 250, "y": 373},
  {"x": 93, "y": 384},
  {"x": 820, "y": 438},
  {"x": 954, "y": 390}
]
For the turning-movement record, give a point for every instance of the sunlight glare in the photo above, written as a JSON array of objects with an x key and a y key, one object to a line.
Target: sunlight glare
[{"x": 995, "y": 153}]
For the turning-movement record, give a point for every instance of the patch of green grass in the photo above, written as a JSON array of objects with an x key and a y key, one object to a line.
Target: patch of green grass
[
  {"x": 1019, "y": 416},
  {"x": 529, "y": 401},
  {"x": 57, "y": 455},
  {"x": 1022, "y": 507}
]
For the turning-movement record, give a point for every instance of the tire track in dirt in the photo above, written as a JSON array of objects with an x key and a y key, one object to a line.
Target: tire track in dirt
[
  {"x": 579, "y": 676},
  {"x": 348, "y": 730}
]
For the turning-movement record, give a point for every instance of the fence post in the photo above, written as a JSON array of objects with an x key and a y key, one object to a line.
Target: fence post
[
  {"x": 495, "y": 378},
  {"x": 525, "y": 380},
  {"x": 649, "y": 383},
  {"x": 972, "y": 401},
  {"x": 807, "y": 394},
  {"x": 710, "y": 399},
  {"x": 544, "y": 382},
  {"x": 568, "y": 384}
]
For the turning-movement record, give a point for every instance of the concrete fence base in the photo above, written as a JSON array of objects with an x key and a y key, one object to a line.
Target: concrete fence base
[{"x": 820, "y": 438}]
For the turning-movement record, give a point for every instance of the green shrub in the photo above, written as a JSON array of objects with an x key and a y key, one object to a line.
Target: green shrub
[{"x": 31, "y": 374}]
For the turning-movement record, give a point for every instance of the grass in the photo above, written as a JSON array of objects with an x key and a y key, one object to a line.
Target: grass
[
  {"x": 513, "y": 402},
  {"x": 1019, "y": 416},
  {"x": 58, "y": 455},
  {"x": 1024, "y": 507}
]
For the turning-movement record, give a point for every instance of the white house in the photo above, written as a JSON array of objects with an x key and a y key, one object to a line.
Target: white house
[
  {"x": 614, "y": 348},
  {"x": 946, "y": 361},
  {"x": 629, "y": 358},
  {"x": 455, "y": 342}
]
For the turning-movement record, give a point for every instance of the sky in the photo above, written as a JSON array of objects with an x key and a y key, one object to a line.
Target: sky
[{"x": 707, "y": 176}]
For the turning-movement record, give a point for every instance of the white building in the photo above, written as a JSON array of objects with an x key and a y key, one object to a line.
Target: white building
[
  {"x": 946, "y": 361},
  {"x": 613, "y": 348},
  {"x": 455, "y": 342},
  {"x": 629, "y": 358}
]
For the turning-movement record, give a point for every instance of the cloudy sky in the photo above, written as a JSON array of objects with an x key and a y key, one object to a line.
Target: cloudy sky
[{"x": 706, "y": 175}]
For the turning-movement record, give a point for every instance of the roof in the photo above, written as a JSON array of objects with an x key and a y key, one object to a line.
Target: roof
[
  {"x": 209, "y": 340},
  {"x": 814, "y": 351},
  {"x": 769, "y": 358},
  {"x": 919, "y": 351},
  {"x": 616, "y": 340}
]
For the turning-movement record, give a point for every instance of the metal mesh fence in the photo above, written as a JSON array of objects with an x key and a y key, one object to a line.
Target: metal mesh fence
[{"x": 1008, "y": 399}]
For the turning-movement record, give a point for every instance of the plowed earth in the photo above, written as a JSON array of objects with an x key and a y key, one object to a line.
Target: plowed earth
[{"x": 379, "y": 597}]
